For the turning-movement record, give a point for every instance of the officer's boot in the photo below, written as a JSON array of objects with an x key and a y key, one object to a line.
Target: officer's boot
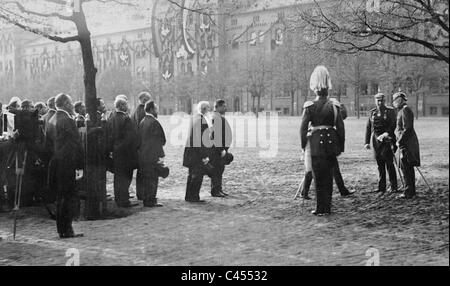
[{"x": 307, "y": 185}]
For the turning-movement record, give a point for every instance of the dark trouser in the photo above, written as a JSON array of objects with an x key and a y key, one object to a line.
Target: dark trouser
[
  {"x": 122, "y": 180},
  {"x": 216, "y": 178},
  {"x": 2, "y": 196},
  {"x": 323, "y": 177},
  {"x": 66, "y": 198},
  {"x": 337, "y": 178},
  {"x": 410, "y": 177},
  {"x": 147, "y": 184},
  {"x": 194, "y": 183},
  {"x": 307, "y": 184},
  {"x": 386, "y": 162}
]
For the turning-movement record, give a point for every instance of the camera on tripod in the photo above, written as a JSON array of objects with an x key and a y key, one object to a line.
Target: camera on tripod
[{"x": 26, "y": 125}]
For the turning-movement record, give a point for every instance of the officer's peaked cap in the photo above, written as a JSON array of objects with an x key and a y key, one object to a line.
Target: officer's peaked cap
[{"x": 399, "y": 94}]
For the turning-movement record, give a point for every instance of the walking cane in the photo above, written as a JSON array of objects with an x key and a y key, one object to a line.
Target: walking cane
[
  {"x": 19, "y": 178},
  {"x": 423, "y": 177},
  {"x": 299, "y": 189}
]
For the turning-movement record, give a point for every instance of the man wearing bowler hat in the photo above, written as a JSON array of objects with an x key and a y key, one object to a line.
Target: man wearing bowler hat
[{"x": 380, "y": 132}]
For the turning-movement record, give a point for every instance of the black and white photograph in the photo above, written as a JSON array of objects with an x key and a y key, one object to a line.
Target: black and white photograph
[{"x": 224, "y": 134}]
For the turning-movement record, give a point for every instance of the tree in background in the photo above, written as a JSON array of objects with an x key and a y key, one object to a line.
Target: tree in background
[
  {"x": 45, "y": 18},
  {"x": 385, "y": 26}
]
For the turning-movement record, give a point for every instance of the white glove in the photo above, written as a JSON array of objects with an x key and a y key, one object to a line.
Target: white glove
[{"x": 205, "y": 161}]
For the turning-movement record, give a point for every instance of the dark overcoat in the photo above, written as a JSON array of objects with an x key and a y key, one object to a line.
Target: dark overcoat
[
  {"x": 198, "y": 145},
  {"x": 151, "y": 141},
  {"x": 122, "y": 140},
  {"x": 407, "y": 137}
]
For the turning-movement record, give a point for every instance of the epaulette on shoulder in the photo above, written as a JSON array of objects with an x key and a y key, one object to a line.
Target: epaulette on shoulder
[
  {"x": 308, "y": 104},
  {"x": 335, "y": 102}
]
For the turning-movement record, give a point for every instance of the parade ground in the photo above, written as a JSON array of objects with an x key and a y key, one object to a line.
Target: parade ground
[{"x": 260, "y": 224}]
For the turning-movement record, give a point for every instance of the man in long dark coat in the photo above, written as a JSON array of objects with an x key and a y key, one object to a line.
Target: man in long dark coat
[
  {"x": 151, "y": 152},
  {"x": 380, "y": 132},
  {"x": 221, "y": 135},
  {"x": 197, "y": 153},
  {"x": 326, "y": 137},
  {"x": 123, "y": 143},
  {"x": 139, "y": 113},
  {"x": 67, "y": 157},
  {"x": 408, "y": 143}
]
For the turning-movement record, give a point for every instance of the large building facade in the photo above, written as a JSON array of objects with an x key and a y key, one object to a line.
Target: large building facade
[{"x": 167, "y": 43}]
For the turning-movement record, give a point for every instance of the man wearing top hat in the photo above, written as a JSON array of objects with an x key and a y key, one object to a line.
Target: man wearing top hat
[
  {"x": 380, "y": 132},
  {"x": 408, "y": 143}
]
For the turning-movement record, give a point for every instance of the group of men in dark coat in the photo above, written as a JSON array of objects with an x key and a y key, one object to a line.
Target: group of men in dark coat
[{"x": 206, "y": 151}]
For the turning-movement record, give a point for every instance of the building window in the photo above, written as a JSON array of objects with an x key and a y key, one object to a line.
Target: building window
[
  {"x": 364, "y": 89},
  {"x": 433, "y": 110},
  {"x": 256, "y": 19},
  {"x": 234, "y": 22},
  {"x": 445, "y": 111},
  {"x": 281, "y": 15},
  {"x": 286, "y": 111},
  {"x": 375, "y": 88},
  {"x": 444, "y": 84}
]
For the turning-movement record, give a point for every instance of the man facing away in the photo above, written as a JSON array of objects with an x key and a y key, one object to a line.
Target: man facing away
[
  {"x": 197, "y": 153},
  {"x": 380, "y": 131},
  {"x": 150, "y": 150},
  {"x": 124, "y": 151},
  {"x": 221, "y": 135},
  {"x": 140, "y": 113},
  {"x": 326, "y": 137},
  {"x": 67, "y": 157},
  {"x": 408, "y": 143}
]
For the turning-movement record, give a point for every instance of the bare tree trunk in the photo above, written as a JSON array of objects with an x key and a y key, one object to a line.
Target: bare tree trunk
[
  {"x": 259, "y": 106},
  {"x": 292, "y": 102},
  {"x": 94, "y": 171}
]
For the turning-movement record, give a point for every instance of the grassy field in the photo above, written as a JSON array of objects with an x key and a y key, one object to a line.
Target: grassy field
[{"x": 260, "y": 224}]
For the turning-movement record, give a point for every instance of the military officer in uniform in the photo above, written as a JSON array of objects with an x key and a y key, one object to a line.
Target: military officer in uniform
[
  {"x": 408, "y": 143},
  {"x": 326, "y": 137},
  {"x": 380, "y": 131}
]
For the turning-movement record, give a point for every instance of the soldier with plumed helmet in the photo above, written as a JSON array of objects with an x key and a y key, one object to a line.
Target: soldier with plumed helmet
[{"x": 326, "y": 137}]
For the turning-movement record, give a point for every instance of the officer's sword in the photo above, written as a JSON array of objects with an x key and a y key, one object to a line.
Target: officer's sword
[
  {"x": 299, "y": 189},
  {"x": 423, "y": 177}
]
